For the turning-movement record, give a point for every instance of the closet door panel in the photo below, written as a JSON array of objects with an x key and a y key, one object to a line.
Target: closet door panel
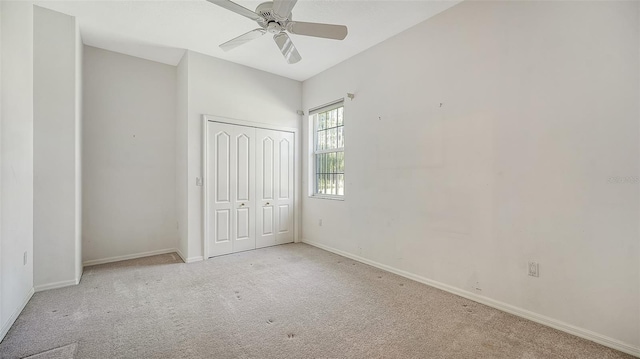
[
  {"x": 285, "y": 159},
  {"x": 219, "y": 184},
  {"x": 266, "y": 186},
  {"x": 243, "y": 184}
]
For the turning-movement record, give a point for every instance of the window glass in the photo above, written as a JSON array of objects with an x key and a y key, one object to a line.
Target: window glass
[{"x": 328, "y": 152}]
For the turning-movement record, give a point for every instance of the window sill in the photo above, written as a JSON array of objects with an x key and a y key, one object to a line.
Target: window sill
[{"x": 332, "y": 198}]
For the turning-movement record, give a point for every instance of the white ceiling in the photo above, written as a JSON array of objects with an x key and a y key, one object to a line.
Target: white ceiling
[{"x": 161, "y": 30}]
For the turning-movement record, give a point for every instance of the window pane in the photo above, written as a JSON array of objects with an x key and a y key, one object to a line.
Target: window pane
[
  {"x": 332, "y": 138},
  {"x": 330, "y": 190},
  {"x": 330, "y": 120},
  {"x": 322, "y": 140},
  {"x": 317, "y": 174},
  {"x": 341, "y": 185},
  {"x": 320, "y": 183},
  {"x": 327, "y": 163},
  {"x": 340, "y": 116},
  {"x": 325, "y": 183},
  {"x": 340, "y": 162},
  {"x": 334, "y": 162},
  {"x": 340, "y": 137},
  {"x": 326, "y": 140},
  {"x": 321, "y": 121}
]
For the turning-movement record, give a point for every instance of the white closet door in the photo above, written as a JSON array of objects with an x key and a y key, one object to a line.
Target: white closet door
[
  {"x": 274, "y": 186},
  {"x": 285, "y": 187},
  {"x": 266, "y": 187},
  {"x": 231, "y": 188}
]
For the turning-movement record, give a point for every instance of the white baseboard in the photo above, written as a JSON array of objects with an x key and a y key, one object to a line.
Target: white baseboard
[
  {"x": 14, "y": 316},
  {"x": 190, "y": 259},
  {"x": 538, "y": 318},
  {"x": 94, "y": 262},
  {"x": 194, "y": 259},
  {"x": 181, "y": 255},
  {"x": 56, "y": 285}
]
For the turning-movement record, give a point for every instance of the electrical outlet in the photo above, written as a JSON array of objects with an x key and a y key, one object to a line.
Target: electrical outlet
[
  {"x": 534, "y": 269},
  {"x": 198, "y": 181},
  {"x": 320, "y": 223},
  {"x": 24, "y": 259}
]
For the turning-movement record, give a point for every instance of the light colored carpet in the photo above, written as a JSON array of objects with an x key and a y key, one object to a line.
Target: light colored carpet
[
  {"x": 65, "y": 352},
  {"x": 289, "y": 301}
]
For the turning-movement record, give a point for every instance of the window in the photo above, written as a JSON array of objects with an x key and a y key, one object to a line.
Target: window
[{"x": 328, "y": 150}]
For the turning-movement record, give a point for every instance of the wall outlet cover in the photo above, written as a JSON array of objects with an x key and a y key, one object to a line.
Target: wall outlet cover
[{"x": 534, "y": 269}]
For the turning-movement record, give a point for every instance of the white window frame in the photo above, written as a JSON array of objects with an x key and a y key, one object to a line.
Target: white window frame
[{"x": 313, "y": 145}]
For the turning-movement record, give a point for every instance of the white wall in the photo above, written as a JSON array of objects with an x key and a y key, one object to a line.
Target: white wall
[
  {"x": 78, "y": 151},
  {"x": 16, "y": 158},
  {"x": 1, "y": 85},
  {"x": 56, "y": 232},
  {"x": 129, "y": 156},
  {"x": 539, "y": 113},
  {"x": 181, "y": 154},
  {"x": 1, "y": 317},
  {"x": 224, "y": 89},
  {"x": 2, "y": 333}
]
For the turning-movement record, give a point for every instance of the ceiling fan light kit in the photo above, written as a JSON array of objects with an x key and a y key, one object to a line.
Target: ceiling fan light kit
[{"x": 275, "y": 18}]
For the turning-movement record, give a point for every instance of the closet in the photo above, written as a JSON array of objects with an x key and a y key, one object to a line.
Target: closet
[{"x": 249, "y": 187}]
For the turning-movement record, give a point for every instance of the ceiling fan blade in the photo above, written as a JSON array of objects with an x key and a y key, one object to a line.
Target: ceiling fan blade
[
  {"x": 287, "y": 48},
  {"x": 238, "y": 9},
  {"x": 327, "y": 31},
  {"x": 283, "y": 8},
  {"x": 242, "y": 39}
]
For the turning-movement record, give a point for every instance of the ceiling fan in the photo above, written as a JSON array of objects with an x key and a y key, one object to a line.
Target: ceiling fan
[{"x": 275, "y": 17}]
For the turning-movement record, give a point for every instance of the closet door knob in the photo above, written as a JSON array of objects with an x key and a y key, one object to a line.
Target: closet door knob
[{"x": 267, "y": 204}]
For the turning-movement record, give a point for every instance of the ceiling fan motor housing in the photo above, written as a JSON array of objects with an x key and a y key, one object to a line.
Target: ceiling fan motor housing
[
  {"x": 271, "y": 19},
  {"x": 274, "y": 27}
]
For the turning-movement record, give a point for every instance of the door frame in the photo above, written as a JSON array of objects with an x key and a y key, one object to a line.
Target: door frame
[{"x": 206, "y": 119}]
